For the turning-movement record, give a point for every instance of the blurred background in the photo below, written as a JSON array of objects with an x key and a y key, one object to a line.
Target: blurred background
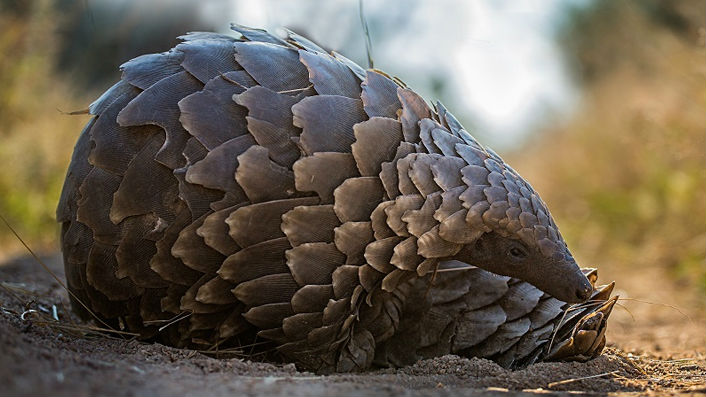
[{"x": 599, "y": 103}]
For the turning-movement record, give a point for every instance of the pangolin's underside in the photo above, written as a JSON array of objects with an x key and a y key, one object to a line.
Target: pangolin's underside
[{"x": 257, "y": 192}]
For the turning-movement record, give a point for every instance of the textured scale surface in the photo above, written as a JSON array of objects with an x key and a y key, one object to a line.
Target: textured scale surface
[{"x": 257, "y": 192}]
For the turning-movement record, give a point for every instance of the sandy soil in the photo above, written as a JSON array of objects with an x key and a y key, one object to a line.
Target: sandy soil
[{"x": 653, "y": 349}]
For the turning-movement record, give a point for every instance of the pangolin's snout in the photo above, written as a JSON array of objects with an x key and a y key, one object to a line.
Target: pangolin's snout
[
  {"x": 584, "y": 291},
  {"x": 577, "y": 288}
]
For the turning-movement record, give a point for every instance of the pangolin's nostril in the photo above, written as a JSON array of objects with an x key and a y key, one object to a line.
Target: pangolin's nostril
[{"x": 584, "y": 292}]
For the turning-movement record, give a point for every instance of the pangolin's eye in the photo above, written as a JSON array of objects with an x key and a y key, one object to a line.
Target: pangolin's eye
[{"x": 517, "y": 253}]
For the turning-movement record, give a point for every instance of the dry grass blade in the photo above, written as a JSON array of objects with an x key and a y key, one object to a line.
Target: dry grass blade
[
  {"x": 456, "y": 269},
  {"x": 228, "y": 79},
  {"x": 627, "y": 311},
  {"x": 238, "y": 351},
  {"x": 295, "y": 90},
  {"x": 87, "y": 329},
  {"x": 366, "y": 32},
  {"x": 660, "y": 304},
  {"x": 565, "y": 381},
  {"x": 235, "y": 352},
  {"x": 75, "y": 112},
  {"x": 584, "y": 305},
  {"x": 556, "y": 329},
  {"x": 211, "y": 350},
  {"x": 12, "y": 294},
  {"x": 176, "y": 320},
  {"x": 169, "y": 320}
]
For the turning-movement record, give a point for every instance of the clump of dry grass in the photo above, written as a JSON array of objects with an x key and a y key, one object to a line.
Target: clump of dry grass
[
  {"x": 31, "y": 308},
  {"x": 685, "y": 374}
]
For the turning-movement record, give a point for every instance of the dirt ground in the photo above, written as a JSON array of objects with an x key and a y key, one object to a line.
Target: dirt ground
[{"x": 655, "y": 348}]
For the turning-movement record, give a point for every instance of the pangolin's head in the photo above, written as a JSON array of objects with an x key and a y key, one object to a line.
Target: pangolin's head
[
  {"x": 557, "y": 274},
  {"x": 511, "y": 232}
]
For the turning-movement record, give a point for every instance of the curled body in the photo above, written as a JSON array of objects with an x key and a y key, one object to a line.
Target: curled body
[{"x": 258, "y": 192}]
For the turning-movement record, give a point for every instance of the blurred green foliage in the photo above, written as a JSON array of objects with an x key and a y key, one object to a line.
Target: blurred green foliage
[
  {"x": 625, "y": 178},
  {"x": 36, "y": 139},
  {"x": 58, "y": 56}
]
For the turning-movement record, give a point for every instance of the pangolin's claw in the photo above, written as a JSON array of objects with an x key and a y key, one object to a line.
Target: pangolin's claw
[{"x": 588, "y": 335}]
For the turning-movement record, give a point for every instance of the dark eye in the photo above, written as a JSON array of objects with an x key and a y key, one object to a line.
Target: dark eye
[{"x": 517, "y": 253}]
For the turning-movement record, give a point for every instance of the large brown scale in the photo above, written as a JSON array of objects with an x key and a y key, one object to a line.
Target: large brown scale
[{"x": 257, "y": 192}]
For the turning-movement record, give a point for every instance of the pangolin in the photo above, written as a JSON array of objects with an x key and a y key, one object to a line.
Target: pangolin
[{"x": 260, "y": 193}]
